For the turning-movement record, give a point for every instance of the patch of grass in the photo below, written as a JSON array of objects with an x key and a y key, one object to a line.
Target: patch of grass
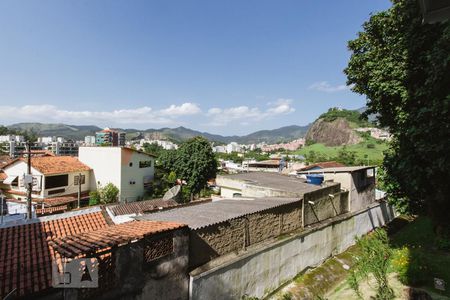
[
  {"x": 374, "y": 155},
  {"x": 417, "y": 259}
]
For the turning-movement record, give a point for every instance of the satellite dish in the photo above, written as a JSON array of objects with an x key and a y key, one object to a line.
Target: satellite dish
[{"x": 172, "y": 192}]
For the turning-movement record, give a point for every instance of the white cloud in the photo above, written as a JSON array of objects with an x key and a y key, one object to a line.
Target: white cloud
[
  {"x": 141, "y": 115},
  {"x": 324, "y": 86},
  {"x": 246, "y": 115},
  {"x": 173, "y": 115},
  {"x": 182, "y": 110}
]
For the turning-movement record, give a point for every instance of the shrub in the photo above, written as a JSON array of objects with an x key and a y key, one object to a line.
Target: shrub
[
  {"x": 109, "y": 193},
  {"x": 411, "y": 266},
  {"x": 94, "y": 198},
  {"x": 373, "y": 260}
]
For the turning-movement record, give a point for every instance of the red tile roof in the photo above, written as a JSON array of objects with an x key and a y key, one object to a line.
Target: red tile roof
[
  {"x": 90, "y": 242},
  {"x": 323, "y": 165},
  {"x": 51, "y": 165},
  {"x": 25, "y": 254},
  {"x": 51, "y": 210},
  {"x": 140, "y": 206}
]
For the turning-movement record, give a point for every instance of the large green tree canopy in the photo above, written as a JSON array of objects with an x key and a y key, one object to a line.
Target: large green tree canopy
[{"x": 402, "y": 66}]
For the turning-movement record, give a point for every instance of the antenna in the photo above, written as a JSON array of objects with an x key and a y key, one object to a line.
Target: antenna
[{"x": 172, "y": 192}]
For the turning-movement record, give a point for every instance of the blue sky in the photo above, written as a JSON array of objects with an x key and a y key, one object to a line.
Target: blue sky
[{"x": 227, "y": 67}]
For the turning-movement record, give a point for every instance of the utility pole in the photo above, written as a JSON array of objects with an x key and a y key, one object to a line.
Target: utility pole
[
  {"x": 79, "y": 189},
  {"x": 30, "y": 182}
]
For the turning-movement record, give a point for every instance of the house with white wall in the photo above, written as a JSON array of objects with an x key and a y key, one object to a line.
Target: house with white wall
[
  {"x": 129, "y": 170},
  {"x": 55, "y": 179}
]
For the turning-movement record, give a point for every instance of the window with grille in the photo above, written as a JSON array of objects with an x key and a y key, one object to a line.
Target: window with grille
[
  {"x": 77, "y": 178},
  {"x": 156, "y": 248}
]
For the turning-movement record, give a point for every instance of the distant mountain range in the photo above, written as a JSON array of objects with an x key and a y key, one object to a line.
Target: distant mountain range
[{"x": 178, "y": 134}]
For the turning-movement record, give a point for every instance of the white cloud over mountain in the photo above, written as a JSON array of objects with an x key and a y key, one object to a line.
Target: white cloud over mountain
[
  {"x": 172, "y": 115},
  {"x": 325, "y": 86}
]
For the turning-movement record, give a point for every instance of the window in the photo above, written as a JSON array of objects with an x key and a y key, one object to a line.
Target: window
[
  {"x": 130, "y": 164},
  {"x": 56, "y": 181},
  {"x": 76, "y": 178},
  {"x": 145, "y": 164}
]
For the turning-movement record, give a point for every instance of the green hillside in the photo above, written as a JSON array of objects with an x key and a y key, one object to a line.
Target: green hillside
[{"x": 370, "y": 147}]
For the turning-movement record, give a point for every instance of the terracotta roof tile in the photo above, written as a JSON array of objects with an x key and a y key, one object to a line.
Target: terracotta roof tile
[
  {"x": 84, "y": 243},
  {"x": 25, "y": 254},
  {"x": 50, "y": 165}
]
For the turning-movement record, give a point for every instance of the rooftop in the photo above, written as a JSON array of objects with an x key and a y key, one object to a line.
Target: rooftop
[
  {"x": 140, "y": 207},
  {"x": 207, "y": 214},
  {"x": 50, "y": 165},
  {"x": 275, "y": 181},
  {"x": 25, "y": 254},
  {"x": 89, "y": 242},
  {"x": 323, "y": 165},
  {"x": 338, "y": 170}
]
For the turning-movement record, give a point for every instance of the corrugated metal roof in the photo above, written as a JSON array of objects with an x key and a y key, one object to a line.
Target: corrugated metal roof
[
  {"x": 207, "y": 214},
  {"x": 140, "y": 206}
]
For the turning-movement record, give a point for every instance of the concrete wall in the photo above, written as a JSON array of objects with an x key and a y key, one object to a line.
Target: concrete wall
[
  {"x": 105, "y": 164},
  {"x": 235, "y": 235},
  {"x": 362, "y": 193},
  {"x": 131, "y": 172},
  {"x": 361, "y": 188},
  {"x": 261, "y": 270},
  {"x": 128, "y": 276},
  {"x": 319, "y": 205}
]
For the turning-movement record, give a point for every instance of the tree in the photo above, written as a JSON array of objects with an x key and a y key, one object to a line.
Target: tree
[
  {"x": 109, "y": 193},
  {"x": 403, "y": 68},
  {"x": 153, "y": 148},
  {"x": 195, "y": 162}
]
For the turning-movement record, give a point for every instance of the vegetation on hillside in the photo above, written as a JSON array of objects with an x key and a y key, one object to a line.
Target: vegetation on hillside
[
  {"x": 402, "y": 66},
  {"x": 368, "y": 152},
  {"x": 352, "y": 116}
]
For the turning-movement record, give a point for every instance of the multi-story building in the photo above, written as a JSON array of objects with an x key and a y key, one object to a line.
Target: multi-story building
[
  {"x": 110, "y": 137},
  {"x": 89, "y": 140},
  {"x": 12, "y": 138},
  {"x": 130, "y": 170}
]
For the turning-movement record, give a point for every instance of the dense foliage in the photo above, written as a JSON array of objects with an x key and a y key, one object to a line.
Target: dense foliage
[
  {"x": 193, "y": 162},
  {"x": 104, "y": 195},
  {"x": 350, "y": 115},
  {"x": 403, "y": 68}
]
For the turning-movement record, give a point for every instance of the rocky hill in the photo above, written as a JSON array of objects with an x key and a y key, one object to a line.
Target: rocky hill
[
  {"x": 336, "y": 127},
  {"x": 334, "y": 133}
]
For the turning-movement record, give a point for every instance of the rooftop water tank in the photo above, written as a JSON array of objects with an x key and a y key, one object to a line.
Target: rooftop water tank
[{"x": 316, "y": 179}]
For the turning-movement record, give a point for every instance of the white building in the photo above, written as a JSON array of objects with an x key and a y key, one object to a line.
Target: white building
[
  {"x": 233, "y": 147},
  {"x": 130, "y": 170},
  {"x": 12, "y": 138},
  {"x": 220, "y": 149},
  {"x": 46, "y": 139},
  {"x": 55, "y": 179},
  {"x": 89, "y": 140},
  {"x": 166, "y": 145}
]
